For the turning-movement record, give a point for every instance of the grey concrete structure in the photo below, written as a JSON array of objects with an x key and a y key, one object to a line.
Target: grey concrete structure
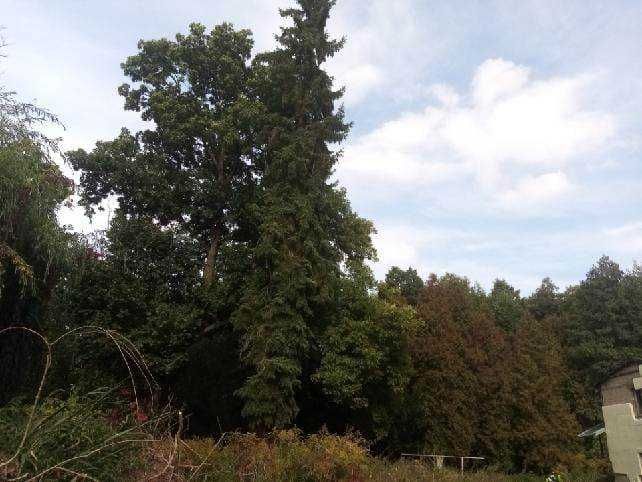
[{"x": 622, "y": 412}]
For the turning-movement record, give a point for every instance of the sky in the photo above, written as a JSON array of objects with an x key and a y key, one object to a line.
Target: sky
[{"x": 491, "y": 139}]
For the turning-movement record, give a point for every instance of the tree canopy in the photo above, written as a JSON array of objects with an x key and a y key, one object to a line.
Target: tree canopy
[
  {"x": 237, "y": 266},
  {"x": 32, "y": 244}
]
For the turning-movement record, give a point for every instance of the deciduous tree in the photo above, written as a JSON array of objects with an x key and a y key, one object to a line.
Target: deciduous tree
[{"x": 33, "y": 247}]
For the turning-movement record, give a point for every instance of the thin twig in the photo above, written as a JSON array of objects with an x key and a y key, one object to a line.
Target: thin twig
[{"x": 127, "y": 351}]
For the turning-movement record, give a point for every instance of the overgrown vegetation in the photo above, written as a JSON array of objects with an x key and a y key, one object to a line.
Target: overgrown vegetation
[
  {"x": 238, "y": 271},
  {"x": 287, "y": 455},
  {"x": 78, "y": 435}
]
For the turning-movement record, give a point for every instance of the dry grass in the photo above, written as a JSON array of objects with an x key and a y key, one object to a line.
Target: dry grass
[
  {"x": 290, "y": 456},
  {"x": 69, "y": 436}
]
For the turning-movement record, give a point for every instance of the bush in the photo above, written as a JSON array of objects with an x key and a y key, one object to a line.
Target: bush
[
  {"x": 282, "y": 455},
  {"x": 92, "y": 436},
  {"x": 289, "y": 456}
]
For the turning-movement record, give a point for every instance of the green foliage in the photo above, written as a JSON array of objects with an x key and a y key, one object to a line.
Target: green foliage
[
  {"x": 20, "y": 121},
  {"x": 602, "y": 330},
  {"x": 600, "y": 326},
  {"x": 31, "y": 189},
  {"x": 239, "y": 270},
  {"x": 281, "y": 455},
  {"x": 237, "y": 172},
  {"x": 407, "y": 282},
  {"x": 207, "y": 383},
  {"x": 306, "y": 226},
  {"x": 73, "y": 436},
  {"x": 142, "y": 289},
  {"x": 459, "y": 356},
  {"x": 544, "y": 431},
  {"x": 366, "y": 364},
  {"x": 507, "y": 304},
  {"x": 31, "y": 242},
  {"x": 190, "y": 172},
  {"x": 545, "y": 301},
  {"x": 33, "y": 247}
]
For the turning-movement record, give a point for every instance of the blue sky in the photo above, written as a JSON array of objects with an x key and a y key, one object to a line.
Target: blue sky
[{"x": 490, "y": 139}]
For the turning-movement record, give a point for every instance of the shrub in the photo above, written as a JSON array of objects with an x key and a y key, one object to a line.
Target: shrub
[
  {"x": 287, "y": 455},
  {"x": 92, "y": 436}
]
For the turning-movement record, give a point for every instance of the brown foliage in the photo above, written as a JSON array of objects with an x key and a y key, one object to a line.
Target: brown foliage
[{"x": 487, "y": 391}]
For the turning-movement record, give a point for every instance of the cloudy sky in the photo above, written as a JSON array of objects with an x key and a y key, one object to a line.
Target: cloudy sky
[{"x": 491, "y": 139}]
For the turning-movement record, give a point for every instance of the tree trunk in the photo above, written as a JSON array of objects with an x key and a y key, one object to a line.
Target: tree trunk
[
  {"x": 216, "y": 233},
  {"x": 209, "y": 271}
]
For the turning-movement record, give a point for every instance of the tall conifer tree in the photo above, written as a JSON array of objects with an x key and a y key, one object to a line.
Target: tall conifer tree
[{"x": 307, "y": 229}]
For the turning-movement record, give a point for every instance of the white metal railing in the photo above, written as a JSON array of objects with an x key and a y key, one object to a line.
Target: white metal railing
[{"x": 439, "y": 459}]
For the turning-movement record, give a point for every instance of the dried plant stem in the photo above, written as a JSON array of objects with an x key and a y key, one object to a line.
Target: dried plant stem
[
  {"x": 60, "y": 465},
  {"x": 207, "y": 457},
  {"x": 133, "y": 361},
  {"x": 170, "y": 459}
]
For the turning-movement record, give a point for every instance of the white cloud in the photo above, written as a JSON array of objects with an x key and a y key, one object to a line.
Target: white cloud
[
  {"x": 542, "y": 122},
  {"x": 359, "y": 80},
  {"x": 495, "y": 78},
  {"x": 625, "y": 229},
  {"x": 444, "y": 94},
  {"x": 383, "y": 50},
  {"x": 535, "y": 191},
  {"x": 506, "y": 121},
  {"x": 394, "y": 249},
  {"x": 402, "y": 244},
  {"x": 625, "y": 239},
  {"x": 435, "y": 249},
  {"x": 394, "y": 152}
]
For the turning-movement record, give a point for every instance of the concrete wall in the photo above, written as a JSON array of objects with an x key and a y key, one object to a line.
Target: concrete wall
[
  {"x": 623, "y": 426},
  {"x": 619, "y": 388}
]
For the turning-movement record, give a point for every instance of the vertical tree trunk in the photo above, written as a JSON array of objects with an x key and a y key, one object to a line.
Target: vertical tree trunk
[
  {"x": 209, "y": 271},
  {"x": 216, "y": 233}
]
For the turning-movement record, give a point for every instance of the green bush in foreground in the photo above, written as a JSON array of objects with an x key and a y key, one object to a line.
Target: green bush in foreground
[{"x": 92, "y": 436}]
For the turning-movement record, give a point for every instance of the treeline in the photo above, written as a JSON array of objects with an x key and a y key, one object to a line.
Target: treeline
[{"x": 239, "y": 270}]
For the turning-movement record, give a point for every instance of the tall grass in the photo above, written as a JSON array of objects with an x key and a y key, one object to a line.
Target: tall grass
[{"x": 96, "y": 435}]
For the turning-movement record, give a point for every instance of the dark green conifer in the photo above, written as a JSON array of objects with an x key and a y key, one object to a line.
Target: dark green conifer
[{"x": 308, "y": 234}]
